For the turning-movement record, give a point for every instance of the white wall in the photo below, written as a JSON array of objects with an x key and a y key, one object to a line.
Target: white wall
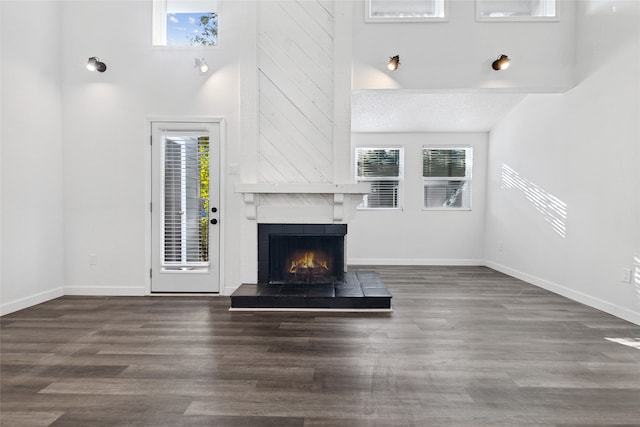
[
  {"x": 32, "y": 225},
  {"x": 106, "y": 145},
  {"x": 457, "y": 54},
  {"x": 577, "y": 152},
  {"x": 413, "y": 236}
]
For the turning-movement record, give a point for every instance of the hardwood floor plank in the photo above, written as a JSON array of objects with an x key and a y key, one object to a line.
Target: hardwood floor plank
[
  {"x": 30, "y": 418},
  {"x": 464, "y": 346}
]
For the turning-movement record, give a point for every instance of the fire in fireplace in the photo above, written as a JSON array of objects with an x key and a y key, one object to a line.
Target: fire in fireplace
[
  {"x": 309, "y": 266},
  {"x": 304, "y": 259},
  {"x": 301, "y": 253}
]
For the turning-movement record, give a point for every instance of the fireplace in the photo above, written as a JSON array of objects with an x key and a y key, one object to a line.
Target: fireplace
[
  {"x": 301, "y": 253},
  {"x": 302, "y": 267}
]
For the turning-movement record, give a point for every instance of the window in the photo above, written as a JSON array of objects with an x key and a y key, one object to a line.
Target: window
[
  {"x": 446, "y": 175},
  {"x": 383, "y": 169},
  {"x": 516, "y": 10},
  {"x": 185, "y": 202},
  {"x": 185, "y": 23},
  {"x": 405, "y": 10}
]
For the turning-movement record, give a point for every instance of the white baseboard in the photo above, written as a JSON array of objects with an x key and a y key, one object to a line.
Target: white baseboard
[
  {"x": 227, "y": 290},
  {"x": 409, "y": 262},
  {"x": 30, "y": 301},
  {"x": 621, "y": 312},
  {"x": 120, "y": 291}
]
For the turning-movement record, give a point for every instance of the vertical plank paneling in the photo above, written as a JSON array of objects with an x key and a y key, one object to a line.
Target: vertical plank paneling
[{"x": 295, "y": 71}]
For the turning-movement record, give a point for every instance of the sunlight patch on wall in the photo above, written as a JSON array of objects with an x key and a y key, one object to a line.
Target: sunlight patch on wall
[{"x": 553, "y": 209}]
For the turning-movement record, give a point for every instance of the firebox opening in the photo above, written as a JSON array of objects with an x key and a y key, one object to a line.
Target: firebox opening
[{"x": 306, "y": 259}]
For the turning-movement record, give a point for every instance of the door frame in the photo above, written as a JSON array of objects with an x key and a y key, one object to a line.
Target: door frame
[{"x": 196, "y": 120}]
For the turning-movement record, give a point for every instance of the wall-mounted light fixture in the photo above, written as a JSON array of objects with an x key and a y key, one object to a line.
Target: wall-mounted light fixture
[
  {"x": 393, "y": 63},
  {"x": 201, "y": 65},
  {"x": 502, "y": 63},
  {"x": 94, "y": 64}
]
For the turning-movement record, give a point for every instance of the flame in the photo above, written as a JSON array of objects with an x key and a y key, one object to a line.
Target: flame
[{"x": 307, "y": 261}]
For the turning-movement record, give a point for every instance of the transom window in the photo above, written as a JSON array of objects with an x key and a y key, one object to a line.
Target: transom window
[
  {"x": 383, "y": 169},
  {"x": 185, "y": 23},
  {"x": 446, "y": 175}
]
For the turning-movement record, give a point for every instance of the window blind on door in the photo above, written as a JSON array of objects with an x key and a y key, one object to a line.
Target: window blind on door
[{"x": 185, "y": 201}]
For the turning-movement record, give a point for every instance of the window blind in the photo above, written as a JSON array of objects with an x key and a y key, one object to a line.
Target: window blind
[
  {"x": 444, "y": 163},
  {"x": 382, "y": 168},
  {"x": 185, "y": 201},
  {"x": 446, "y": 176}
]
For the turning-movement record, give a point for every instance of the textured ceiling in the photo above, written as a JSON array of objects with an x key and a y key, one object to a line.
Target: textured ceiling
[{"x": 393, "y": 111}]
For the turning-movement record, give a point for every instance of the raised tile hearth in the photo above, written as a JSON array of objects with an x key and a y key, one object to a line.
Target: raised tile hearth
[{"x": 361, "y": 290}]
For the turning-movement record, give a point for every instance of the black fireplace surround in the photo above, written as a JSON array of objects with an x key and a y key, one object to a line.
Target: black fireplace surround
[
  {"x": 302, "y": 266},
  {"x": 301, "y": 253}
]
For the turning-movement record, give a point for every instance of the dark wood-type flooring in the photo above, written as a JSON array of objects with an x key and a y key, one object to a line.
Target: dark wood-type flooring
[{"x": 464, "y": 346}]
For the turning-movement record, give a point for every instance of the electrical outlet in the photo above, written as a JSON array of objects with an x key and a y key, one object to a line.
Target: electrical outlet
[
  {"x": 625, "y": 276},
  {"x": 93, "y": 259}
]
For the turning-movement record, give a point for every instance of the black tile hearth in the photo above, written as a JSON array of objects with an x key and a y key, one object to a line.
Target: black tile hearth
[{"x": 362, "y": 290}]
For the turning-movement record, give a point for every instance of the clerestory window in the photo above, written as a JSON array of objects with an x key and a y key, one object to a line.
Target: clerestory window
[
  {"x": 446, "y": 175},
  {"x": 185, "y": 23},
  {"x": 516, "y": 10},
  {"x": 406, "y": 10}
]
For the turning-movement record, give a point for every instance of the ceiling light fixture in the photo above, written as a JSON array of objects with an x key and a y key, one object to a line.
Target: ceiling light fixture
[
  {"x": 94, "y": 64},
  {"x": 201, "y": 65},
  {"x": 393, "y": 63},
  {"x": 502, "y": 63}
]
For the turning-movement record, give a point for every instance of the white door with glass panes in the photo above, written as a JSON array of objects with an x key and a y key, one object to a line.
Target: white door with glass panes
[{"x": 185, "y": 207}]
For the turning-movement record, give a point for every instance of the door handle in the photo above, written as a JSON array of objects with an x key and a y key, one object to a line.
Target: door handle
[{"x": 214, "y": 221}]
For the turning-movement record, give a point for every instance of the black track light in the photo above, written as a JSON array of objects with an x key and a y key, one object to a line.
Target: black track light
[
  {"x": 393, "y": 63},
  {"x": 502, "y": 63},
  {"x": 94, "y": 64}
]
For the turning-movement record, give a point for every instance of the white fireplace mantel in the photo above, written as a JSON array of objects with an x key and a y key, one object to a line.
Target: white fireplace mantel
[
  {"x": 251, "y": 191},
  {"x": 302, "y": 188}
]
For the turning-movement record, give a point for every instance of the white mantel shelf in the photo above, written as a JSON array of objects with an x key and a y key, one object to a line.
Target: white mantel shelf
[
  {"x": 285, "y": 188},
  {"x": 250, "y": 191}
]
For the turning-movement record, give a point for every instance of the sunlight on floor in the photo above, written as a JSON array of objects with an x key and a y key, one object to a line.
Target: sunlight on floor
[{"x": 630, "y": 342}]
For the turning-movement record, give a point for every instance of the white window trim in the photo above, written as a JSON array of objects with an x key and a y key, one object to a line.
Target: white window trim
[{"x": 468, "y": 178}]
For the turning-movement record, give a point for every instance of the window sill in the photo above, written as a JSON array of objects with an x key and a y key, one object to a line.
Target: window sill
[
  {"x": 379, "y": 209},
  {"x": 445, "y": 209}
]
